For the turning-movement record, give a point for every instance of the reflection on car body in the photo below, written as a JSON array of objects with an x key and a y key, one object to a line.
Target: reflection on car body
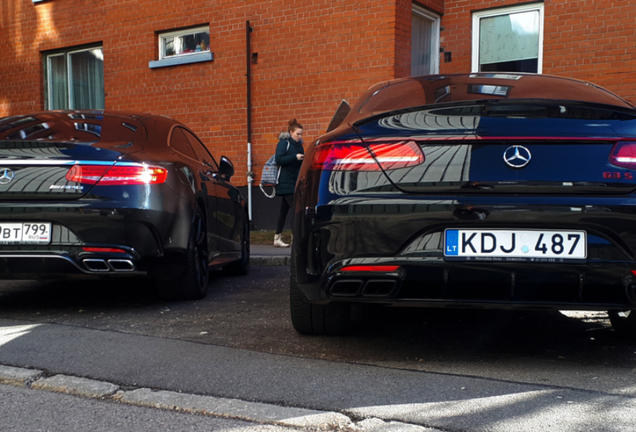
[
  {"x": 510, "y": 191},
  {"x": 110, "y": 194}
]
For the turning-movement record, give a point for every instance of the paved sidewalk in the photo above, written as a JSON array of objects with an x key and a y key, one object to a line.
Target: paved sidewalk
[{"x": 269, "y": 255}]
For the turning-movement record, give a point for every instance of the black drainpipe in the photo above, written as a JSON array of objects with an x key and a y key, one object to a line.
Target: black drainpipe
[
  {"x": 250, "y": 174},
  {"x": 248, "y": 31}
]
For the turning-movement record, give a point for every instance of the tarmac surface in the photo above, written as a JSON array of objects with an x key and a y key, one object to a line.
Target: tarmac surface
[{"x": 123, "y": 366}]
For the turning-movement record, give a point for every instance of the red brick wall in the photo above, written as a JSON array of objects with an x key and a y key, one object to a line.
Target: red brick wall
[
  {"x": 589, "y": 40},
  {"x": 593, "y": 41},
  {"x": 311, "y": 55}
]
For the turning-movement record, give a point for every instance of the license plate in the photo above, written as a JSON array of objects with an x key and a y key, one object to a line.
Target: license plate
[
  {"x": 515, "y": 245},
  {"x": 25, "y": 232}
]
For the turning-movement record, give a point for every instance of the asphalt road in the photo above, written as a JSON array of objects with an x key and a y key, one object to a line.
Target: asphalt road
[{"x": 451, "y": 370}]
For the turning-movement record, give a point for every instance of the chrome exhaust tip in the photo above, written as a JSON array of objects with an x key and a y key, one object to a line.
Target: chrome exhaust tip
[
  {"x": 346, "y": 287},
  {"x": 96, "y": 265},
  {"x": 379, "y": 288},
  {"x": 121, "y": 265}
]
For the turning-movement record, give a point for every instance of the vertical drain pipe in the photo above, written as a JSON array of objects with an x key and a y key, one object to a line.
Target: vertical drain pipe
[{"x": 250, "y": 174}]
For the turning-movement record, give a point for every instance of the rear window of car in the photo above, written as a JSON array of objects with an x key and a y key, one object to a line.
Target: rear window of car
[
  {"x": 420, "y": 91},
  {"x": 180, "y": 143}
]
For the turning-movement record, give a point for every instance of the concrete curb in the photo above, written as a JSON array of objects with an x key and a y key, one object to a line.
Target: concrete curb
[
  {"x": 76, "y": 386},
  {"x": 377, "y": 425},
  {"x": 269, "y": 260},
  {"x": 255, "y": 412},
  {"x": 18, "y": 376},
  {"x": 233, "y": 408},
  {"x": 220, "y": 407}
]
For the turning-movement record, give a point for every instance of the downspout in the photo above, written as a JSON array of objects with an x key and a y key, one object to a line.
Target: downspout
[{"x": 250, "y": 174}]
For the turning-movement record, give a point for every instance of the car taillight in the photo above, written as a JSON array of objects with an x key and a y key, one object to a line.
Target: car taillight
[
  {"x": 102, "y": 249},
  {"x": 624, "y": 154},
  {"x": 375, "y": 157},
  {"x": 371, "y": 268},
  {"x": 116, "y": 175}
]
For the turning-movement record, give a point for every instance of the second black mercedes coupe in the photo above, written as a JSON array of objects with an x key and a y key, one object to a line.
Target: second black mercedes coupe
[{"x": 485, "y": 190}]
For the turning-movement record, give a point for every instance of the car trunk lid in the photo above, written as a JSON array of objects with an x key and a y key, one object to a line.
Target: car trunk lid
[
  {"x": 511, "y": 149},
  {"x": 42, "y": 170},
  {"x": 38, "y": 152}
]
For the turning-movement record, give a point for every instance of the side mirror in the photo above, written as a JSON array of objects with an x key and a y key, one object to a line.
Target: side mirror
[{"x": 226, "y": 168}]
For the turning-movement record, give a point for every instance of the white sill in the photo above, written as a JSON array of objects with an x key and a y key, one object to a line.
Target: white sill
[{"x": 181, "y": 60}]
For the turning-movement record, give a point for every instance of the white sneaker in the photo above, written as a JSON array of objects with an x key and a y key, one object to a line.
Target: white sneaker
[{"x": 278, "y": 241}]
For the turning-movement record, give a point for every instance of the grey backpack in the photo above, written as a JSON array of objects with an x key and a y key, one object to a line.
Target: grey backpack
[{"x": 270, "y": 174}]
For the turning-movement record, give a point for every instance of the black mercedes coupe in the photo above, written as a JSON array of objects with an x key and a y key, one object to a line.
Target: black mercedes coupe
[
  {"x": 485, "y": 190},
  {"x": 110, "y": 195}
]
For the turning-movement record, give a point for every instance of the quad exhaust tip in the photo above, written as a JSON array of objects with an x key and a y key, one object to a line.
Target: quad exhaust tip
[
  {"x": 99, "y": 265},
  {"x": 374, "y": 288}
]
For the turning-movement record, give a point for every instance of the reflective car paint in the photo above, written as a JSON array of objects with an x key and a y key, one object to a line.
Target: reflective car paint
[
  {"x": 468, "y": 128},
  {"x": 58, "y": 159}
]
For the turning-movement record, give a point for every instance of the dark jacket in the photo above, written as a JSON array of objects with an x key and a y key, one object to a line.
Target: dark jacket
[{"x": 289, "y": 163}]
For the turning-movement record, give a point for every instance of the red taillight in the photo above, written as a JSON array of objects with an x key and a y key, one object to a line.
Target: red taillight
[
  {"x": 375, "y": 157},
  {"x": 103, "y": 249},
  {"x": 116, "y": 175},
  {"x": 624, "y": 155},
  {"x": 371, "y": 268}
]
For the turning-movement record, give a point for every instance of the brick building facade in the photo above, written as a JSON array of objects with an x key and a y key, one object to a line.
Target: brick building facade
[{"x": 305, "y": 56}]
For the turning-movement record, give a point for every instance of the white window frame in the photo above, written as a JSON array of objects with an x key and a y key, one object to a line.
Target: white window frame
[
  {"x": 183, "y": 58},
  {"x": 190, "y": 31},
  {"x": 477, "y": 16},
  {"x": 435, "y": 39}
]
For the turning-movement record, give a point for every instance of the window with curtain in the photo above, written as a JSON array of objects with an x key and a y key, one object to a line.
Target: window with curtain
[
  {"x": 184, "y": 42},
  {"x": 75, "y": 79},
  {"x": 181, "y": 47},
  {"x": 508, "y": 39},
  {"x": 424, "y": 42}
]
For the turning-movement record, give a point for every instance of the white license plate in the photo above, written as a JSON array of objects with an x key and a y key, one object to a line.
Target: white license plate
[
  {"x": 515, "y": 245},
  {"x": 25, "y": 232}
]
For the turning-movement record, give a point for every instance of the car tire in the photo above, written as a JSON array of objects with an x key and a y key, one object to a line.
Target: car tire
[
  {"x": 311, "y": 319},
  {"x": 623, "y": 322},
  {"x": 242, "y": 266},
  {"x": 192, "y": 284}
]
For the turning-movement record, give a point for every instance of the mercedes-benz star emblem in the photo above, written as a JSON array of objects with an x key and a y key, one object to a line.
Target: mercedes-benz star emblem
[
  {"x": 517, "y": 156},
  {"x": 6, "y": 175}
]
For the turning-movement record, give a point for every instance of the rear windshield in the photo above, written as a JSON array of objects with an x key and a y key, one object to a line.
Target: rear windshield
[{"x": 420, "y": 91}]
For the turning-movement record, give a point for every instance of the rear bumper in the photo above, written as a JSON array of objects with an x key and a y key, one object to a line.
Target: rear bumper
[
  {"x": 407, "y": 232},
  {"x": 435, "y": 283},
  {"x": 150, "y": 241},
  {"x": 62, "y": 265}
]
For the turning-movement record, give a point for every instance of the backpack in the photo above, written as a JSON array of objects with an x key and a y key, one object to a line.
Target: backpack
[{"x": 270, "y": 174}]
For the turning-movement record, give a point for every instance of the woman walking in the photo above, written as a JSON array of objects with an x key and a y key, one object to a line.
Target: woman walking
[{"x": 289, "y": 155}]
